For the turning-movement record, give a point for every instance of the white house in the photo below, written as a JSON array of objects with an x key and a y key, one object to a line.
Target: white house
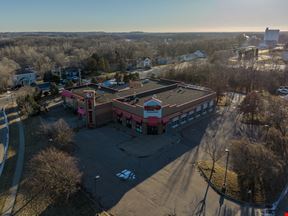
[
  {"x": 189, "y": 57},
  {"x": 144, "y": 63},
  {"x": 24, "y": 77}
]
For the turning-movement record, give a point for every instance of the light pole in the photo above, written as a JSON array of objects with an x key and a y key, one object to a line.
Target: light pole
[
  {"x": 225, "y": 177},
  {"x": 267, "y": 129},
  {"x": 96, "y": 178},
  {"x": 250, "y": 196}
]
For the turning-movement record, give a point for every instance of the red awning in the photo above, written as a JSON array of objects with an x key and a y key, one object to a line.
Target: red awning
[
  {"x": 126, "y": 114},
  {"x": 137, "y": 118},
  {"x": 81, "y": 111},
  {"x": 66, "y": 93},
  {"x": 153, "y": 121},
  {"x": 119, "y": 112}
]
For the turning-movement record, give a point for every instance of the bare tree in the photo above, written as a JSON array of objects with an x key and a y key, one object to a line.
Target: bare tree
[
  {"x": 54, "y": 173},
  {"x": 261, "y": 169},
  {"x": 60, "y": 133}
]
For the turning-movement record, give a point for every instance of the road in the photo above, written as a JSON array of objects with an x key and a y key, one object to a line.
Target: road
[
  {"x": 10, "y": 200},
  {"x": 4, "y": 132}
]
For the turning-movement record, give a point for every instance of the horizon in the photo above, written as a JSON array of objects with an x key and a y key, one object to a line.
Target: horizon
[{"x": 151, "y": 17}]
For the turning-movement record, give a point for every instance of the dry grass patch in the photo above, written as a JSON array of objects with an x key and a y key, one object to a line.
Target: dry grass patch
[
  {"x": 233, "y": 189},
  {"x": 36, "y": 204}
]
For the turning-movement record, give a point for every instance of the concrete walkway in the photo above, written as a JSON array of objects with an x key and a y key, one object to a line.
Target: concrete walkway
[{"x": 9, "y": 204}]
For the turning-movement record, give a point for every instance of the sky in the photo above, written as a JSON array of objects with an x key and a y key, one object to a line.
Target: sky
[{"x": 142, "y": 15}]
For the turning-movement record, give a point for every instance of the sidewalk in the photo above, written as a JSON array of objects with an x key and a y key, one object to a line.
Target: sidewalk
[{"x": 9, "y": 203}]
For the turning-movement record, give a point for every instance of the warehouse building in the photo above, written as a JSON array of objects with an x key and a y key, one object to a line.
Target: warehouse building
[{"x": 147, "y": 107}]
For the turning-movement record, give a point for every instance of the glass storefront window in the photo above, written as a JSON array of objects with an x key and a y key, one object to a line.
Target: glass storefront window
[
  {"x": 138, "y": 127},
  {"x": 129, "y": 123}
]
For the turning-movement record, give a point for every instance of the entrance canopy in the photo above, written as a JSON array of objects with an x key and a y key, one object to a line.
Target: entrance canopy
[{"x": 153, "y": 121}]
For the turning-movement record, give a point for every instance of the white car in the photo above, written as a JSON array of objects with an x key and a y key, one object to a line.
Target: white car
[
  {"x": 126, "y": 175},
  {"x": 283, "y": 90}
]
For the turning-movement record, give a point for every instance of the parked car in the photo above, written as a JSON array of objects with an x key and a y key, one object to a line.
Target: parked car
[
  {"x": 126, "y": 175},
  {"x": 282, "y": 90}
]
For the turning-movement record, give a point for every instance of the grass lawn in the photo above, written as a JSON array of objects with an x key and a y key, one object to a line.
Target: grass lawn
[
  {"x": 31, "y": 204},
  {"x": 232, "y": 187},
  {"x": 10, "y": 163}
]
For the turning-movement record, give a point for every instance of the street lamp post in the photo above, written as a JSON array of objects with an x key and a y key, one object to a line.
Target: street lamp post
[
  {"x": 250, "y": 196},
  {"x": 225, "y": 177},
  {"x": 267, "y": 129},
  {"x": 96, "y": 178}
]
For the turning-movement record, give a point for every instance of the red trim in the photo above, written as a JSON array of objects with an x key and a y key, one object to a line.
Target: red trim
[
  {"x": 153, "y": 121},
  {"x": 126, "y": 114},
  {"x": 81, "y": 111},
  {"x": 66, "y": 93},
  {"x": 137, "y": 118}
]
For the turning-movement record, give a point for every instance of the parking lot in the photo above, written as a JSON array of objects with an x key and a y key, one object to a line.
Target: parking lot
[{"x": 166, "y": 180}]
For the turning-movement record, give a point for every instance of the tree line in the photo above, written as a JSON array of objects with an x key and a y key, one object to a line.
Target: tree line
[{"x": 98, "y": 53}]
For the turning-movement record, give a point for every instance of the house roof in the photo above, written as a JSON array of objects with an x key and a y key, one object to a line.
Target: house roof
[{"x": 24, "y": 71}]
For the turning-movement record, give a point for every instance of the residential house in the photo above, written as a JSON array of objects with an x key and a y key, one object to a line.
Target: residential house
[
  {"x": 192, "y": 56},
  {"x": 24, "y": 77},
  {"x": 72, "y": 73},
  {"x": 144, "y": 63}
]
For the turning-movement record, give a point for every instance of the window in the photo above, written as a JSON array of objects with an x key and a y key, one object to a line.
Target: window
[
  {"x": 128, "y": 123},
  {"x": 119, "y": 119},
  {"x": 138, "y": 127},
  {"x": 90, "y": 117},
  {"x": 175, "y": 122},
  {"x": 211, "y": 103},
  {"x": 198, "y": 109},
  {"x": 191, "y": 115},
  {"x": 184, "y": 118},
  {"x": 205, "y": 105},
  {"x": 89, "y": 104}
]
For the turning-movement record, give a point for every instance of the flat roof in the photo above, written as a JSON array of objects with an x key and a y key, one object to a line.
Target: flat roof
[
  {"x": 151, "y": 84},
  {"x": 104, "y": 95},
  {"x": 176, "y": 96}
]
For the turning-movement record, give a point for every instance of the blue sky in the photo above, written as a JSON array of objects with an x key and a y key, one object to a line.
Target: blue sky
[{"x": 143, "y": 15}]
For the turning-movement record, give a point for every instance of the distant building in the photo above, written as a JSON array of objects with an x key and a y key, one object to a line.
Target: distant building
[
  {"x": 192, "y": 56},
  {"x": 72, "y": 73},
  {"x": 247, "y": 53},
  {"x": 24, "y": 77},
  {"x": 144, "y": 63},
  {"x": 285, "y": 56},
  {"x": 271, "y": 37}
]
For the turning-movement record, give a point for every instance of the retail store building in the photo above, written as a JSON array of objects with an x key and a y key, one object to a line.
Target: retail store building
[{"x": 147, "y": 107}]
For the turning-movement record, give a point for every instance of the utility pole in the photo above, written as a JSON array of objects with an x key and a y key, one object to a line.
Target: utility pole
[
  {"x": 80, "y": 78},
  {"x": 225, "y": 177},
  {"x": 96, "y": 178}
]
